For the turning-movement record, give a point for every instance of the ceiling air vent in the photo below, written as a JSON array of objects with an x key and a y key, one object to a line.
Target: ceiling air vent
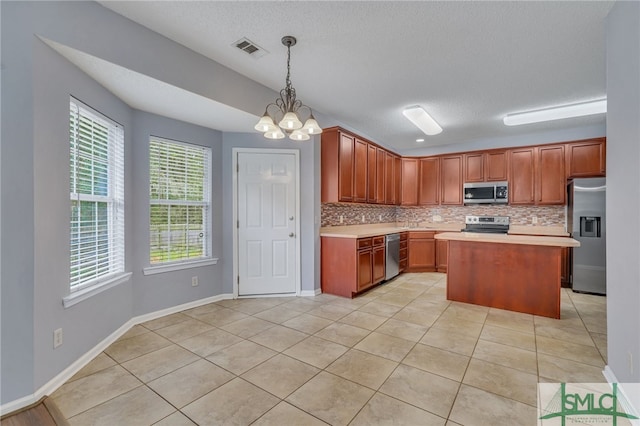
[{"x": 250, "y": 48}]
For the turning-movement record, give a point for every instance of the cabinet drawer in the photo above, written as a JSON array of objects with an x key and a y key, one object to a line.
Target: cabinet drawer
[
  {"x": 364, "y": 243},
  {"x": 404, "y": 236},
  {"x": 403, "y": 244},
  {"x": 379, "y": 241},
  {"x": 402, "y": 265},
  {"x": 403, "y": 253}
]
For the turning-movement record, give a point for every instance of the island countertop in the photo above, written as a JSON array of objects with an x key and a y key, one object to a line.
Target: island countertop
[{"x": 532, "y": 240}]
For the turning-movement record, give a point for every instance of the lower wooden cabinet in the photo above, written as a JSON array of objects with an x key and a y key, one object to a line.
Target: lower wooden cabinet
[
  {"x": 442, "y": 249},
  {"x": 351, "y": 265},
  {"x": 422, "y": 251},
  {"x": 402, "y": 259}
]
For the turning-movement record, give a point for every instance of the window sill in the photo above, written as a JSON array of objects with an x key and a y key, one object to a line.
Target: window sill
[
  {"x": 88, "y": 292},
  {"x": 160, "y": 269}
]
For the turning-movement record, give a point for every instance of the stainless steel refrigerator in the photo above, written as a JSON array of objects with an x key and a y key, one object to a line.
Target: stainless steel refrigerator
[{"x": 587, "y": 224}]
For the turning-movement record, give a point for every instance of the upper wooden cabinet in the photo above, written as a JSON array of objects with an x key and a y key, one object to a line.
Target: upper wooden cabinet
[
  {"x": 586, "y": 158},
  {"x": 360, "y": 171},
  {"x": 397, "y": 176},
  {"x": 409, "y": 194},
  {"x": 551, "y": 183},
  {"x": 336, "y": 156},
  {"x": 537, "y": 175},
  {"x": 390, "y": 178},
  {"x": 428, "y": 181},
  {"x": 371, "y": 174},
  {"x": 522, "y": 176},
  {"x": 381, "y": 156},
  {"x": 485, "y": 166},
  {"x": 451, "y": 180}
]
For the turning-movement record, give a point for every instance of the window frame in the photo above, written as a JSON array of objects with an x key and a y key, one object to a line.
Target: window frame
[
  {"x": 81, "y": 288},
  {"x": 206, "y": 204}
]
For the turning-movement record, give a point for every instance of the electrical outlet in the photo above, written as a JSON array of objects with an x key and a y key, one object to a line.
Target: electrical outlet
[
  {"x": 341, "y": 218},
  {"x": 57, "y": 338},
  {"x": 534, "y": 220},
  {"x": 363, "y": 220},
  {"x": 194, "y": 281},
  {"x": 380, "y": 217},
  {"x": 437, "y": 218}
]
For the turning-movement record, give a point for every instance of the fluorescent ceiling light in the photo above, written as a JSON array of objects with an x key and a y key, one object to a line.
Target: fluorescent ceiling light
[
  {"x": 556, "y": 113},
  {"x": 420, "y": 140},
  {"x": 422, "y": 120}
]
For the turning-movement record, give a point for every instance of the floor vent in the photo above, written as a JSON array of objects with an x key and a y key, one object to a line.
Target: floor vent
[{"x": 250, "y": 48}]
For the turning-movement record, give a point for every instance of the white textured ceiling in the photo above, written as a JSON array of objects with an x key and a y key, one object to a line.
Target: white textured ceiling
[{"x": 467, "y": 63}]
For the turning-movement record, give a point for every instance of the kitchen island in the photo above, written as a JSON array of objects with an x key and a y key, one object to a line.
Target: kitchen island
[{"x": 514, "y": 272}]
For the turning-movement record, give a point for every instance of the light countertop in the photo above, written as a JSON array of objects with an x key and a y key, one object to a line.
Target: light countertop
[
  {"x": 532, "y": 240},
  {"x": 372, "y": 230}
]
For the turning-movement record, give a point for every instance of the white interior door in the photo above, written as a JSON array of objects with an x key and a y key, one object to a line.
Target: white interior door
[{"x": 266, "y": 213}]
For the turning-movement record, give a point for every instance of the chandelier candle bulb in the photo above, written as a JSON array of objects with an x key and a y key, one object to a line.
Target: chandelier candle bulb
[{"x": 287, "y": 107}]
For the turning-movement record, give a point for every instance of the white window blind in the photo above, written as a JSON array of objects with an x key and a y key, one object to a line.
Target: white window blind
[
  {"x": 180, "y": 206},
  {"x": 97, "y": 197}
]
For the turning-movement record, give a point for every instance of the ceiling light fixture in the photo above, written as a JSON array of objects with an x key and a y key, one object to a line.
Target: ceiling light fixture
[
  {"x": 556, "y": 113},
  {"x": 286, "y": 110},
  {"x": 423, "y": 121},
  {"x": 420, "y": 140}
]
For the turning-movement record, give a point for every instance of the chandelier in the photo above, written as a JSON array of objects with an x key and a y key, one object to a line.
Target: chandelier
[{"x": 286, "y": 109}]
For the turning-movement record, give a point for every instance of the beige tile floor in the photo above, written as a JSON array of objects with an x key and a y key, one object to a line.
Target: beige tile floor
[{"x": 400, "y": 354}]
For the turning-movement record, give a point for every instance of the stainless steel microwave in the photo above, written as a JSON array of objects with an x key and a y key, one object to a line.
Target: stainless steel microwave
[{"x": 486, "y": 192}]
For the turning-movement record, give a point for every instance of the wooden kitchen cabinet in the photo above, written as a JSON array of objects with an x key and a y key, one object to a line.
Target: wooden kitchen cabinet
[
  {"x": 586, "y": 158},
  {"x": 451, "y": 180},
  {"x": 336, "y": 156},
  {"x": 421, "y": 251},
  {"x": 360, "y": 171},
  {"x": 537, "y": 175},
  {"x": 428, "y": 181},
  {"x": 550, "y": 182},
  {"x": 351, "y": 265},
  {"x": 404, "y": 250},
  {"x": 474, "y": 167},
  {"x": 522, "y": 176},
  {"x": 442, "y": 252},
  {"x": 390, "y": 179},
  {"x": 378, "y": 257},
  {"x": 381, "y": 175},
  {"x": 397, "y": 175},
  {"x": 565, "y": 267},
  {"x": 409, "y": 194},
  {"x": 372, "y": 169},
  {"x": 496, "y": 166}
]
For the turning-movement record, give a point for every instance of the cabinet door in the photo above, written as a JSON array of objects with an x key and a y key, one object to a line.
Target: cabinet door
[
  {"x": 451, "y": 180},
  {"x": 378, "y": 256},
  {"x": 371, "y": 174},
  {"x": 586, "y": 158},
  {"x": 380, "y": 164},
  {"x": 365, "y": 269},
  {"x": 397, "y": 171},
  {"x": 474, "y": 167},
  {"x": 550, "y": 176},
  {"x": 496, "y": 166},
  {"x": 345, "y": 161},
  {"x": 428, "y": 181},
  {"x": 360, "y": 172},
  {"x": 409, "y": 182},
  {"x": 421, "y": 251},
  {"x": 521, "y": 179},
  {"x": 442, "y": 251},
  {"x": 389, "y": 180}
]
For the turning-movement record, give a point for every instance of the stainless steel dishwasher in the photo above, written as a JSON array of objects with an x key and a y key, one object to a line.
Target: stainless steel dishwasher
[{"x": 393, "y": 256}]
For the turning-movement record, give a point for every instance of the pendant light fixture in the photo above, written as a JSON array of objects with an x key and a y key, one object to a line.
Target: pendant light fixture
[{"x": 286, "y": 109}]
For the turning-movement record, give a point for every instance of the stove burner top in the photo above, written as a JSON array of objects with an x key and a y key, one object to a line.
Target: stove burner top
[{"x": 487, "y": 224}]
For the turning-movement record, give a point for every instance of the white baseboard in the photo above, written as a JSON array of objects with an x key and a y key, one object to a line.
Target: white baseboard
[
  {"x": 310, "y": 293},
  {"x": 53, "y": 384}
]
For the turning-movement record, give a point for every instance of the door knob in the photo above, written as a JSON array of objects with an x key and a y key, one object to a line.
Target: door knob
[
  {"x": 290, "y": 217},
  {"x": 292, "y": 235}
]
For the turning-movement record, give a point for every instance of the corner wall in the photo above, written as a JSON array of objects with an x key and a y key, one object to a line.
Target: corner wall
[{"x": 623, "y": 191}]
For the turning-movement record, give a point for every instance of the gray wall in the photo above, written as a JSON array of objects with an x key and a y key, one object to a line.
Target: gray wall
[
  {"x": 154, "y": 292},
  {"x": 309, "y": 203},
  {"x": 623, "y": 190}
]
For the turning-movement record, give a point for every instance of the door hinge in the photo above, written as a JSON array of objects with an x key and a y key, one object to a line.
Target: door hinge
[
  {"x": 238, "y": 279},
  {"x": 238, "y": 223},
  {"x": 237, "y": 167}
]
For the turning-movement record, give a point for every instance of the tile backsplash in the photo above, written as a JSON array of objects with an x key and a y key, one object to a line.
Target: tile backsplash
[{"x": 336, "y": 214}]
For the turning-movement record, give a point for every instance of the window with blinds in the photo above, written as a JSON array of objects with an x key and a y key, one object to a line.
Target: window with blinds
[
  {"x": 97, "y": 197},
  {"x": 180, "y": 206}
]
